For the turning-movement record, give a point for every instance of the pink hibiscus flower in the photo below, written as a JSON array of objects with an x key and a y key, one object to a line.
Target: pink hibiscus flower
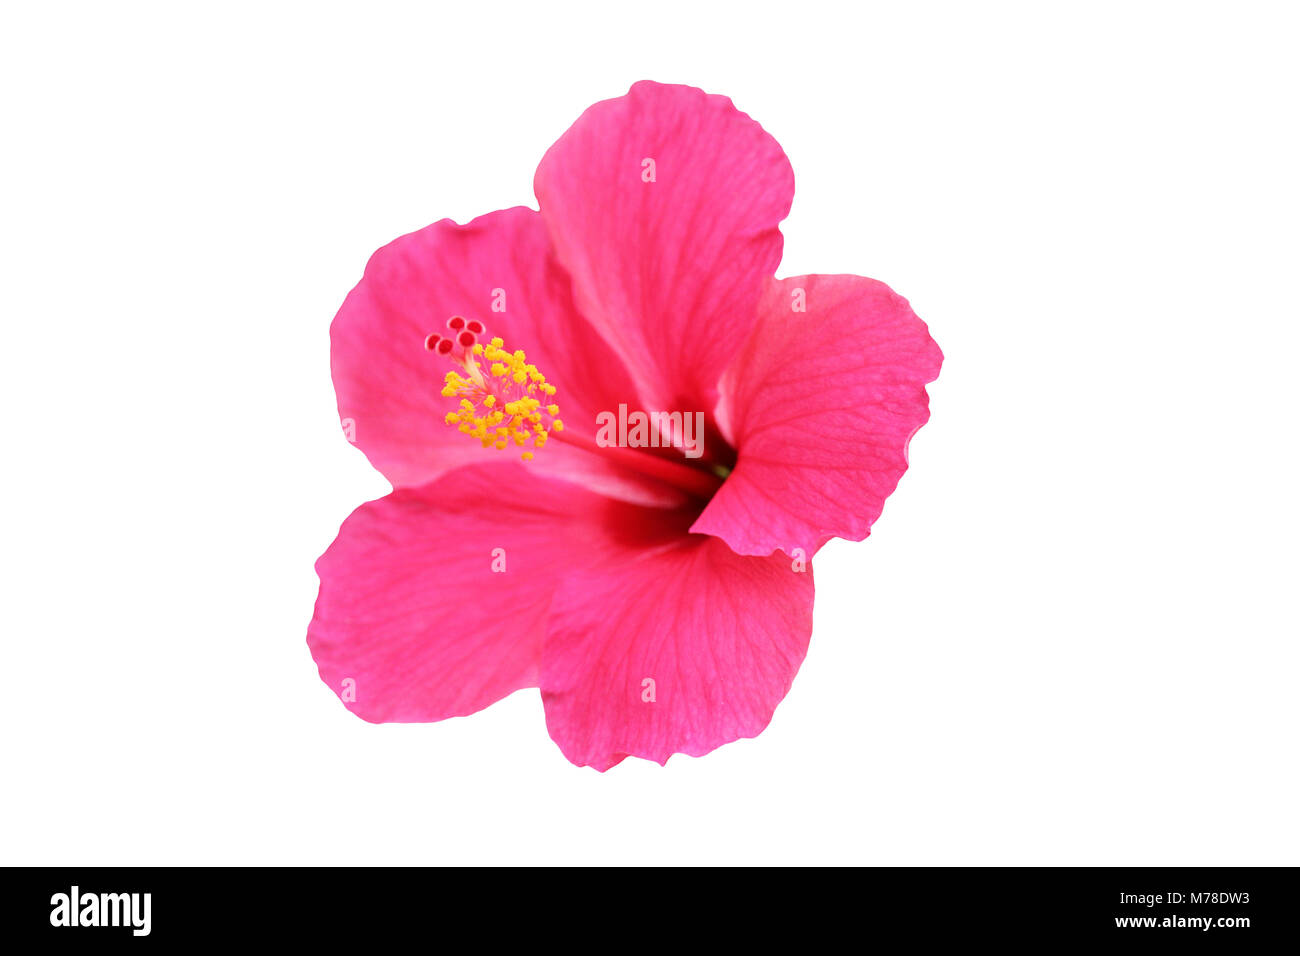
[{"x": 660, "y": 597}]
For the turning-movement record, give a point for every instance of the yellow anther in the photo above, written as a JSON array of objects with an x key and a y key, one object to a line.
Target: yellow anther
[{"x": 500, "y": 407}]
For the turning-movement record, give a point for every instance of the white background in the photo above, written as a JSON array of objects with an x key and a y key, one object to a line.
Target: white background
[{"x": 1071, "y": 639}]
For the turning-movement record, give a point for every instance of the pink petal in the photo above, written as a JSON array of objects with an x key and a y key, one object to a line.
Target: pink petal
[
  {"x": 410, "y": 610},
  {"x": 822, "y": 405},
  {"x": 389, "y": 385},
  {"x": 669, "y": 271},
  {"x": 720, "y": 635}
]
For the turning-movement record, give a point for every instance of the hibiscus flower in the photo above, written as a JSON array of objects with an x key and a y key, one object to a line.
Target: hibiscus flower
[{"x": 660, "y": 597}]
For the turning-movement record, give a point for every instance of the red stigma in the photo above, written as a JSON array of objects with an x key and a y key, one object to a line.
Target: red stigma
[{"x": 457, "y": 346}]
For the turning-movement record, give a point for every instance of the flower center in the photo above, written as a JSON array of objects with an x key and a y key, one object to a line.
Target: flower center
[
  {"x": 502, "y": 404},
  {"x": 501, "y": 398}
]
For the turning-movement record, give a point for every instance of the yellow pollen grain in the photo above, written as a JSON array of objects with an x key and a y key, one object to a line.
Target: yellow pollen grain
[{"x": 503, "y": 408}]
